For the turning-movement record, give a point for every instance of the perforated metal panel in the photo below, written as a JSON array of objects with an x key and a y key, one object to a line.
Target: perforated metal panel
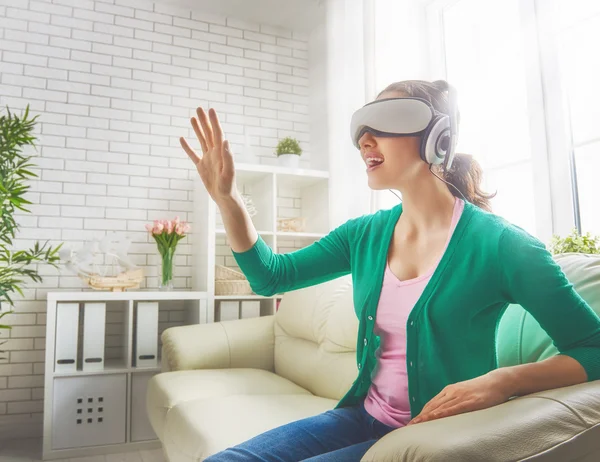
[{"x": 89, "y": 411}]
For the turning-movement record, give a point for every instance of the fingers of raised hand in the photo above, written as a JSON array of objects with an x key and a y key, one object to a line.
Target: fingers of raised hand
[
  {"x": 189, "y": 151},
  {"x": 206, "y": 128},
  {"x": 199, "y": 134},
  {"x": 216, "y": 128}
]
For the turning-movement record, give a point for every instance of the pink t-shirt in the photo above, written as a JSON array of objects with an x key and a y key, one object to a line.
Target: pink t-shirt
[{"x": 387, "y": 399}]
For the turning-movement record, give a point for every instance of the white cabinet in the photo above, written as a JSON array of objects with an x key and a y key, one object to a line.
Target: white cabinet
[{"x": 102, "y": 408}]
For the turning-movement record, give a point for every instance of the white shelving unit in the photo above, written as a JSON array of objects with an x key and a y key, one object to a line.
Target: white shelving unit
[
  {"x": 93, "y": 412},
  {"x": 272, "y": 189}
]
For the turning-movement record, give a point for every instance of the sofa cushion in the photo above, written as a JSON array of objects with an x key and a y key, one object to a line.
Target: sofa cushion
[
  {"x": 315, "y": 338},
  {"x": 170, "y": 389},
  {"x": 196, "y": 429},
  {"x": 520, "y": 339}
]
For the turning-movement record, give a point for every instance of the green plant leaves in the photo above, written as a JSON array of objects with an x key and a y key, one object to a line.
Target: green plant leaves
[
  {"x": 15, "y": 169},
  {"x": 288, "y": 145},
  {"x": 575, "y": 243}
]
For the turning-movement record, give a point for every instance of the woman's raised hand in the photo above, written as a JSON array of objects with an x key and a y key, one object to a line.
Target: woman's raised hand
[{"x": 215, "y": 165}]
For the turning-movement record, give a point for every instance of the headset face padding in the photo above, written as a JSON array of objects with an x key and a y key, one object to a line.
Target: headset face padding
[{"x": 392, "y": 117}]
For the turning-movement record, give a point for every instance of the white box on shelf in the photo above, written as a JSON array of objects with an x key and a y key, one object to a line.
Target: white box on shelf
[
  {"x": 94, "y": 326},
  {"x": 67, "y": 334},
  {"x": 250, "y": 309},
  {"x": 229, "y": 310},
  {"x": 146, "y": 334}
]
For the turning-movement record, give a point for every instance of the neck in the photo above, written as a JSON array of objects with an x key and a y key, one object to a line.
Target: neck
[{"x": 426, "y": 202}]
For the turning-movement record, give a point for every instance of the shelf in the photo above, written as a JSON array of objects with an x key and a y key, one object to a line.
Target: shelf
[
  {"x": 262, "y": 233},
  {"x": 111, "y": 366},
  {"x": 248, "y": 169},
  {"x": 246, "y": 297},
  {"x": 106, "y": 296},
  {"x": 293, "y": 234}
]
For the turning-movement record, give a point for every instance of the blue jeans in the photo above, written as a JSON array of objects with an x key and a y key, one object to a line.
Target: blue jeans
[{"x": 338, "y": 435}]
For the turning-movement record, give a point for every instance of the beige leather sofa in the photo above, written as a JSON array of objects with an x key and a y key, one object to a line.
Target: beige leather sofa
[{"x": 230, "y": 381}]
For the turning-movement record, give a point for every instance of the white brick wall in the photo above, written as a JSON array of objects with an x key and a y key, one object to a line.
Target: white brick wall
[{"x": 114, "y": 83}]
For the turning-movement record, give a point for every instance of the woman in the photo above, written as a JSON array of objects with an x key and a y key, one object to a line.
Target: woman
[{"x": 431, "y": 276}]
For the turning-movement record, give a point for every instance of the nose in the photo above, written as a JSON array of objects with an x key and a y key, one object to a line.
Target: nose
[{"x": 367, "y": 140}]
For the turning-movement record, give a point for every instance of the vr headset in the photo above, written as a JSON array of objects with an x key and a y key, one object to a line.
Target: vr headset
[{"x": 411, "y": 117}]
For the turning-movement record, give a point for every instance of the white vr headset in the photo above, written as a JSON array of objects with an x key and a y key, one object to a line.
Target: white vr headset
[{"x": 410, "y": 117}]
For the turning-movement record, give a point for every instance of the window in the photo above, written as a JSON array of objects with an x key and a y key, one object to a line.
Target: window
[
  {"x": 577, "y": 29},
  {"x": 484, "y": 59},
  {"x": 527, "y": 74}
]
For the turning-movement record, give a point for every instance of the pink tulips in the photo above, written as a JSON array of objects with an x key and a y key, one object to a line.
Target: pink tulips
[{"x": 167, "y": 233}]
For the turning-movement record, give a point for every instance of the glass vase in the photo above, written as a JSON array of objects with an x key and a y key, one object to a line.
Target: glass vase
[{"x": 166, "y": 273}]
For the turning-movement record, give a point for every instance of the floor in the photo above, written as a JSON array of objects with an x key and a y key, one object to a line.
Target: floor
[{"x": 30, "y": 450}]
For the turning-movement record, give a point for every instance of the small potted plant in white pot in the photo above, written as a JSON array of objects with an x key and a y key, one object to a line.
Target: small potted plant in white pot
[{"x": 289, "y": 152}]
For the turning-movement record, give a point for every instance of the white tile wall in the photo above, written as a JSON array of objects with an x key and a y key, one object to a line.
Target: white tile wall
[{"x": 114, "y": 83}]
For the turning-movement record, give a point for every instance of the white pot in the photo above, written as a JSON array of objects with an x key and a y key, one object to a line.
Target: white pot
[{"x": 289, "y": 160}]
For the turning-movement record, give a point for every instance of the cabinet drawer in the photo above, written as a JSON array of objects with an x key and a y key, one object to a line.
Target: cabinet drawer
[{"x": 89, "y": 411}]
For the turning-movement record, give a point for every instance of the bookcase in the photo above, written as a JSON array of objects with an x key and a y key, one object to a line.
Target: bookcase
[
  {"x": 276, "y": 192},
  {"x": 101, "y": 350}
]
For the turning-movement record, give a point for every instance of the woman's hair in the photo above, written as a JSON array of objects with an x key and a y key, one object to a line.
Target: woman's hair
[{"x": 465, "y": 173}]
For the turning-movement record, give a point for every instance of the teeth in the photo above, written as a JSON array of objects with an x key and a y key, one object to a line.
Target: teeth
[{"x": 374, "y": 161}]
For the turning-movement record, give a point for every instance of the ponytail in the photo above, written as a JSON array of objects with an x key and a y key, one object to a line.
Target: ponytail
[{"x": 465, "y": 174}]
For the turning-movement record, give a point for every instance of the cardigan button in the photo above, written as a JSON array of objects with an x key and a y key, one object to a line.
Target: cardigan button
[
  {"x": 413, "y": 398},
  {"x": 365, "y": 342},
  {"x": 370, "y": 318},
  {"x": 411, "y": 363},
  {"x": 359, "y": 365},
  {"x": 412, "y": 322}
]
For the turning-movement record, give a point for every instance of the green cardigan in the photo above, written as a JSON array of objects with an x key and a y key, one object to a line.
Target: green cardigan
[{"x": 488, "y": 264}]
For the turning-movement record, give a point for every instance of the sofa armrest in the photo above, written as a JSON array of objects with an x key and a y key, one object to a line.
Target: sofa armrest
[
  {"x": 555, "y": 425},
  {"x": 230, "y": 344}
]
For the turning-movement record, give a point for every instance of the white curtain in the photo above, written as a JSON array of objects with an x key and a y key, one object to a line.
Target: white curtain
[
  {"x": 346, "y": 72},
  {"x": 397, "y": 41},
  {"x": 370, "y": 44}
]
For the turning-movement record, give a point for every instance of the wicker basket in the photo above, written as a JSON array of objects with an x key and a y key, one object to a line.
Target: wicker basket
[
  {"x": 222, "y": 272},
  {"x": 230, "y": 282}
]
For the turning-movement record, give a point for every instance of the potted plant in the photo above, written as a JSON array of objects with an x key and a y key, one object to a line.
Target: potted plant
[
  {"x": 15, "y": 265},
  {"x": 575, "y": 243},
  {"x": 289, "y": 152}
]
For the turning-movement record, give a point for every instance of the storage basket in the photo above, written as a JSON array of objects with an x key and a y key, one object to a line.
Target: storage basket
[
  {"x": 222, "y": 272},
  {"x": 230, "y": 282}
]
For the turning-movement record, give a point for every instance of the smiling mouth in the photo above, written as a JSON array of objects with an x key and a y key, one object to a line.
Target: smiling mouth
[{"x": 373, "y": 163}]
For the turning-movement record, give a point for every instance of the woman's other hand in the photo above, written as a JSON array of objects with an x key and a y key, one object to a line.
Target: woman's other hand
[{"x": 479, "y": 393}]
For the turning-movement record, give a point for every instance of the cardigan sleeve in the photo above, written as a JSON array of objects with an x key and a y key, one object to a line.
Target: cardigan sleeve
[
  {"x": 532, "y": 279},
  {"x": 270, "y": 273}
]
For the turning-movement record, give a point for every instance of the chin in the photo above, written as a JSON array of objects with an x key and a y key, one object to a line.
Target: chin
[{"x": 377, "y": 184}]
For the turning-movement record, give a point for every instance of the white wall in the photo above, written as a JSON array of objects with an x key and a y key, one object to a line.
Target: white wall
[{"x": 115, "y": 83}]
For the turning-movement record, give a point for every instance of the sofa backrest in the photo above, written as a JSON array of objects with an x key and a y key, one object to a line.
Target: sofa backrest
[
  {"x": 520, "y": 339},
  {"x": 315, "y": 338}
]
